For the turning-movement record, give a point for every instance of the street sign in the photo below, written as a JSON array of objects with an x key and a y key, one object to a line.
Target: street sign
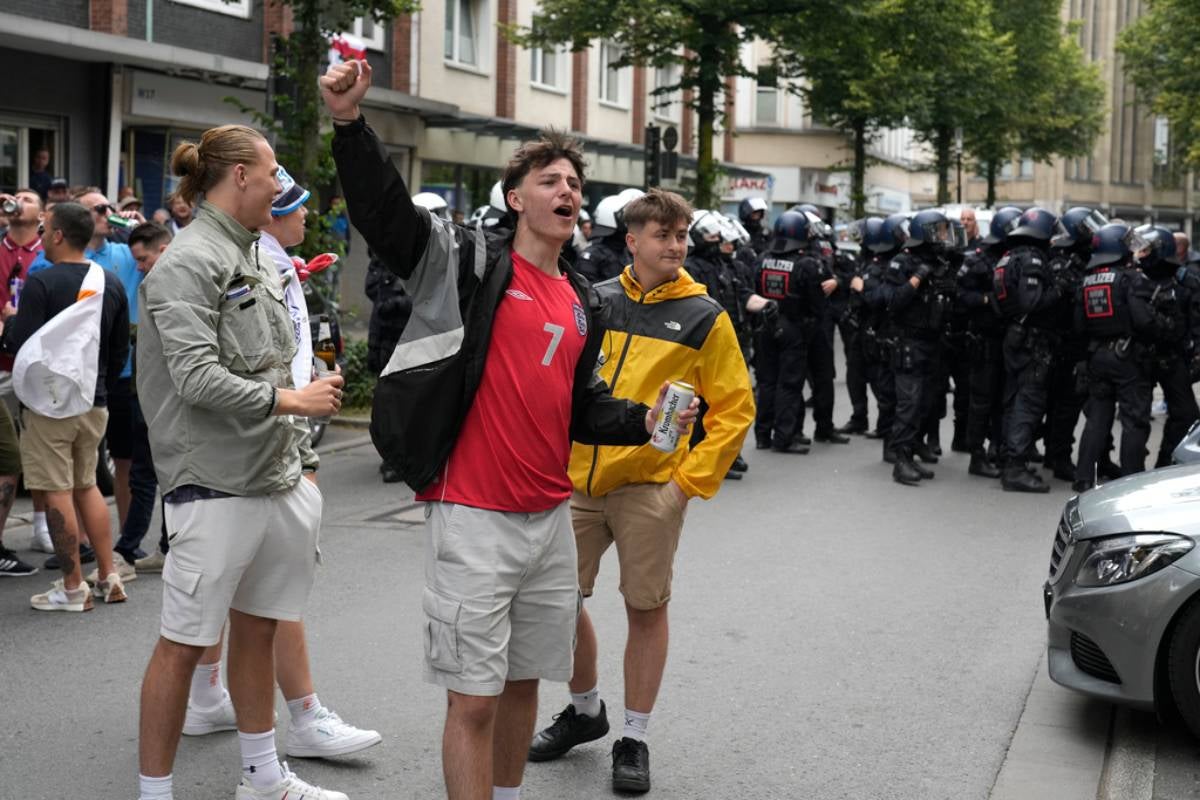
[{"x": 670, "y": 138}]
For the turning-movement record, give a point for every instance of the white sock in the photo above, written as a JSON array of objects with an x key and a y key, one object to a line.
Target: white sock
[
  {"x": 635, "y": 725},
  {"x": 304, "y": 710},
  {"x": 39, "y": 522},
  {"x": 587, "y": 703},
  {"x": 260, "y": 762},
  {"x": 154, "y": 788},
  {"x": 506, "y": 793},
  {"x": 207, "y": 689}
]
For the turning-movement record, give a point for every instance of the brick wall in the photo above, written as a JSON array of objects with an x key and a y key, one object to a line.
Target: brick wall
[
  {"x": 579, "y": 91},
  {"x": 277, "y": 20},
  {"x": 506, "y": 63},
  {"x": 402, "y": 53},
  {"x": 109, "y": 16},
  {"x": 639, "y": 105},
  {"x": 64, "y": 12}
]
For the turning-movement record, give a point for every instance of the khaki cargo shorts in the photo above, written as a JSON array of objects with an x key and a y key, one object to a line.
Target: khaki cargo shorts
[
  {"x": 59, "y": 455},
  {"x": 645, "y": 521}
]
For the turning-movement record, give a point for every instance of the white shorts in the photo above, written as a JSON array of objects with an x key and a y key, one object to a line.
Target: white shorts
[
  {"x": 253, "y": 554},
  {"x": 501, "y": 597}
]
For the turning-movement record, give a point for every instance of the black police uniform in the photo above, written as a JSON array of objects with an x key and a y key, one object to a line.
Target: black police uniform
[
  {"x": 1116, "y": 313},
  {"x": 760, "y": 236},
  {"x": 985, "y": 336},
  {"x": 786, "y": 356},
  {"x": 918, "y": 315},
  {"x": 1171, "y": 357},
  {"x": 820, "y": 381},
  {"x": 954, "y": 365},
  {"x": 844, "y": 308},
  {"x": 878, "y": 340},
  {"x": 1064, "y": 391},
  {"x": 604, "y": 258},
  {"x": 1027, "y": 298}
]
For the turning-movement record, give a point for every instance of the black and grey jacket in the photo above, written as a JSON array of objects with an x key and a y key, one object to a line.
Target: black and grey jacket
[{"x": 456, "y": 277}]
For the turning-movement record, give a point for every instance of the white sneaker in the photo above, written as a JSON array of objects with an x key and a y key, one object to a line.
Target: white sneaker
[
  {"x": 151, "y": 563},
  {"x": 287, "y": 789},
  {"x": 202, "y": 721},
  {"x": 111, "y": 589},
  {"x": 328, "y": 736},
  {"x": 60, "y": 598},
  {"x": 125, "y": 571},
  {"x": 41, "y": 540}
]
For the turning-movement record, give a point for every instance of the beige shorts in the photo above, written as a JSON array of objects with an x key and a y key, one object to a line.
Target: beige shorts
[
  {"x": 501, "y": 598},
  {"x": 645, "y": 520},
  {"x": 256, "y": 555},
  {"x": 60, "y": 454}
]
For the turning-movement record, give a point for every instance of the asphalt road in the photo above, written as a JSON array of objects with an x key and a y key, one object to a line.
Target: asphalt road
[{"x": 834, "y": 635}]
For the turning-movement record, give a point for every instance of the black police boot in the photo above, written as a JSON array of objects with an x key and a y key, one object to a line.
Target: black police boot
[
  {"x": 1064, "y": 470},
  {"x": 762, "y": 444},
  {"x": 959, "y": 443},
  {"x": 981, "y": 466},
  {"x": 934, "y": 442},
  {"x": 795, "y": 446},
  {"x": 876, "y": 434},
  {"x": 1079, "y": 487},
  {"x": 831, "y": 436},
  {"x": 1108, "y": 470},
  {"x": 631, "y": 766},
  {"x": 733, "y": 475},
  {"x": 855, "y": 425},
  {"x": 905, "y": 470},
  {"x": 568, "y": 730},
  {"x": 1018, "y": 479},
  {"x": 390, "y": 473},
  {"x": 1035, "y": 456},
  {"x": 739, "y": 464},
  {"x": 925, "y": 453},
  {"x": 925, "y": 472},
  {"x": 889, "y": 455},
  {"x": 802, "y": 439}
]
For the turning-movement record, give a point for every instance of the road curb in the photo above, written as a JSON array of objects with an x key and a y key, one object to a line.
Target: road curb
[
  {"x": 347, "y": 445},
  {"x": 351, "y": 422},
  {"x": 1060, "y": 747}
]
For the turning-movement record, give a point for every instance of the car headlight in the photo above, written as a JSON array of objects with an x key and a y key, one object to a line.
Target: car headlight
[{"x": 1121, "y": 559}]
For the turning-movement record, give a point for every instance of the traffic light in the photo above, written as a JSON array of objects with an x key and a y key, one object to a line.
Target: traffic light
[{"x": 652, "y": 144}]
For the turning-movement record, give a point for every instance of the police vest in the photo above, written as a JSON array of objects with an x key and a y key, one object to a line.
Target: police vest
[
  {"x": 1105, "y": 299},
  {"x": 782, "y": 280}
]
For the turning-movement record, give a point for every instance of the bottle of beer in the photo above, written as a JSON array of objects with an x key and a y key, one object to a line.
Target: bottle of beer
[{"x": 325, "y": 350}]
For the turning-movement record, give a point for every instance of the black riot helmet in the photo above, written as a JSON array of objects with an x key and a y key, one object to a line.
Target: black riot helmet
[
  {"x": 866, "y": 231},
  {"x": 749, "y": 207},
  {"x": 1080, "y": 224},
  {"x": 1002, "y": 224},
  {"x": 793, "y": 229},
  {"x": 931, "y": 227},
  {"x": 893, "y": 233},
  {"x": 1161, "y": 247},
  {"x": 1115, "y": 243},
  {"x": 1038, "y": 223}
]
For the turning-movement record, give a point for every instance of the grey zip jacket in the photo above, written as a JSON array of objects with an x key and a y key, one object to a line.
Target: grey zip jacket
[{"x": 215, "y": 341}]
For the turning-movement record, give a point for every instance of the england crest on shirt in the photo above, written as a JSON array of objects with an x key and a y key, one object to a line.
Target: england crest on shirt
[{"x": 580, "y": 319}]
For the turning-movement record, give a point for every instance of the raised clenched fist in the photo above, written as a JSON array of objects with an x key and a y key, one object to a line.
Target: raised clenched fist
[{"x": 343, "y": 87}]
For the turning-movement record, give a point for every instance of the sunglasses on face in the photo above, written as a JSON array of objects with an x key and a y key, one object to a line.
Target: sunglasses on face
[{"x": 103, "y": 208}]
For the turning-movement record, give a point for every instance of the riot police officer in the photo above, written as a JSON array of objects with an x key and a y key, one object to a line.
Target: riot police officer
[
  {"x": 606, "y": 255},
  {"x": 1118, "y": 316},
  {"x": 922, "y": 289},
  {"x": 845, "y": 307},
  {"x": 882, "y": 239},
  {"x": 1170, "y": 356},
  {"x": 985, "y": 336},
  {"x": 1027, "y": 295},
  {"x": 752, "y": 212},
  {"x": 1070, "y": 252},
  {"x": 789, "y": 347}
]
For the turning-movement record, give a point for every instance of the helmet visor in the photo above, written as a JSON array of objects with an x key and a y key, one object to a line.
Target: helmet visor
[
  {"x": 940, "y": 233},
  {"x": 1138, "y": 245},
  {"x": 1091, "y": 224}
]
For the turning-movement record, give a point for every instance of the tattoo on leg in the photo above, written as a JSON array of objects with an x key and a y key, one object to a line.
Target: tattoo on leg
[
  {"x": 7, "y": 492},
  {"x": 66, "y": 544}
]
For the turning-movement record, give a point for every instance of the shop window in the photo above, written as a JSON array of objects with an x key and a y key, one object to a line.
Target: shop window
[
  {"x": 29, "y": 155},
  {"x": 463, "y": 27},
  {"x": 612, "y": 78},
  {"x": 233, "y": 8},
  {"x": 370, "y": 31},
  {"x": 546, "y": 69}
]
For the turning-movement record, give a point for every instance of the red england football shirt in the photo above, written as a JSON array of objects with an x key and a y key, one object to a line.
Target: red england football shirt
[{"x": 515, "y": 444}]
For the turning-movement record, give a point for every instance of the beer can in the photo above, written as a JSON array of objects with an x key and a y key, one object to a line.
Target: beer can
[
  {"x": 666, "y": 433},
  {"x": 121, "y": 222}
]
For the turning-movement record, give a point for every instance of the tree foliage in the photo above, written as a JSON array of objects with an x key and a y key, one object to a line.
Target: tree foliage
[
  {"x": 703, "y": 36},
  {"x": 1164, "y": 63}
]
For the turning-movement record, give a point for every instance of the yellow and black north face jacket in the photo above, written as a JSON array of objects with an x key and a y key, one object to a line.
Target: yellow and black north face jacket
[{"x": 673, "y": 332}]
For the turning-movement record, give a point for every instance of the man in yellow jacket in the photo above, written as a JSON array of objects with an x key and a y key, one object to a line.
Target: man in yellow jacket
[{"x": 660, "y": 326}]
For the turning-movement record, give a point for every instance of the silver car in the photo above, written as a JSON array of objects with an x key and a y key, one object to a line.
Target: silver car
[{"x": 1123, "y": 596}]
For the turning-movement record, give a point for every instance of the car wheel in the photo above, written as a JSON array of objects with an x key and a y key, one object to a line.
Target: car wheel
[
  {"x": 1183, "y": 667},
  {"x": 318, "y": 432},
  {"x": 105, "y": 469}
]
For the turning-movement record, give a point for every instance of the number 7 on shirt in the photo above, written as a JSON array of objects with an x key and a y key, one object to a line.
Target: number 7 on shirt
[{"x": 556, "y": 334}]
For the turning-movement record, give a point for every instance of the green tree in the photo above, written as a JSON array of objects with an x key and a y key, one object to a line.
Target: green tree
[
  {"x": 703, "y": 36},
  {"x": 839, "y": 55},
  {"x": 1052, "y": 103},
  {"x": 1164, "y": 63}
]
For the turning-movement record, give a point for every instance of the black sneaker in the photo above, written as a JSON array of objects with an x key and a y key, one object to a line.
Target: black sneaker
[
  {"x": 631, "y": 766},
  {"x": 739, "y": 464},
  {"x": 568, "y": 730},
  {"x": 13, "y": 567},
  {"x": 86, "y": 556}
]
